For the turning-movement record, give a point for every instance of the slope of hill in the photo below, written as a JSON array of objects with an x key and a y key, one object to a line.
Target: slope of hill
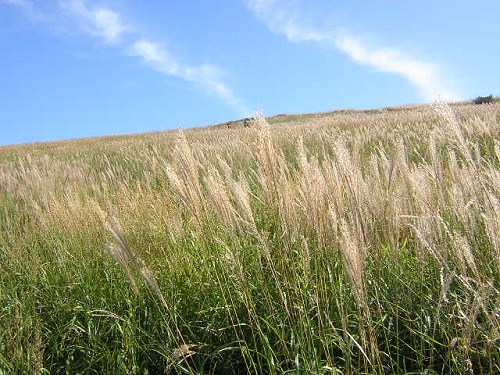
[{"x": 342, "y": 242}]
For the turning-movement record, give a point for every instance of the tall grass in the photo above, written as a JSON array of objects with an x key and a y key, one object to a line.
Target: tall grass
[{"x": 348, "y": 242}]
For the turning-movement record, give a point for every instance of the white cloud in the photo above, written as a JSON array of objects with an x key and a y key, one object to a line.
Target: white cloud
[
  {"x": 286, "y": 19},
  {"x": 108, "y": 26},
  {"x": 160, "y": 59},
  {"x": 425, "y": 76},
  {"x": 100, "y": 22},
  {"x": 156, "y": 57}
]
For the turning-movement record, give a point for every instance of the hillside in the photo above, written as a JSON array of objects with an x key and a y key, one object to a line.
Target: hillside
[
  {"x": 278, "y": 119},
  {"x": 347, "y": 242}
]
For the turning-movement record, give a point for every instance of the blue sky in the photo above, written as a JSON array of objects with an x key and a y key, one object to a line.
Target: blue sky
[{"x": 82, "y": 68}]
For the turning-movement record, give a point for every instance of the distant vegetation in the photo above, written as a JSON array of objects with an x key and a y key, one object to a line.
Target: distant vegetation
[
  {"x": 340, "y": 243},
  {"x": 486, "y": 99}
]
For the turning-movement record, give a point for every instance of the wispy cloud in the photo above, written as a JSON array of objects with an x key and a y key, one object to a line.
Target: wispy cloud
[
  {"x": 160, "y": 59},
  {"x": 424, "y": 75},
  {"x": 287, "y": 19},
  {"x": 156, "y": 57},
  {"x": 108, "y": 25},
  {"x": 100, "y": 22}
]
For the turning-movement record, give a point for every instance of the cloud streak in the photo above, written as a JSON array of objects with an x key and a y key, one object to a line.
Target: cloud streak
[
  {"x": 160, "y": 59},
  {"x": 100, "y": 22},
  {"x": 109, "y": 27},
  {"x": 425, "y": 76},
  {"x": 287, "y": 20}
]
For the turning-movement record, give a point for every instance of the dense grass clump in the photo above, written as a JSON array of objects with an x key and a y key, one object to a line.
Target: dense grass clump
[{"x": 346, "y": 243}]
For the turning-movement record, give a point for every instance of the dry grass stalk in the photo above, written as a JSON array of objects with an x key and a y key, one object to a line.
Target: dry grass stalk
[
  {"x": 120, "y": 250},
  {"x": 240, "y": 195},
  {"x": 219, "y": 199},
  {"x": 183, "y": 175},
  {"x": 353, "y": 254}
]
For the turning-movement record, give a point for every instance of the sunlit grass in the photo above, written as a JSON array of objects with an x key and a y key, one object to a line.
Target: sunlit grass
[{"x": 344, "y": 242}]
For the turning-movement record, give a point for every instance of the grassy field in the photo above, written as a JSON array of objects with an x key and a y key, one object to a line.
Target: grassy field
[{"x": 336, "y": 243}]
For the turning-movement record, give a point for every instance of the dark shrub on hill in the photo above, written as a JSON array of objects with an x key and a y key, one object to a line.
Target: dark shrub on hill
[{"x": 484, "y": 100}]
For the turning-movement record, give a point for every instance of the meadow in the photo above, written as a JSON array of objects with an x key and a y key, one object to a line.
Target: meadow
[{"x": 347, "y": 242}]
